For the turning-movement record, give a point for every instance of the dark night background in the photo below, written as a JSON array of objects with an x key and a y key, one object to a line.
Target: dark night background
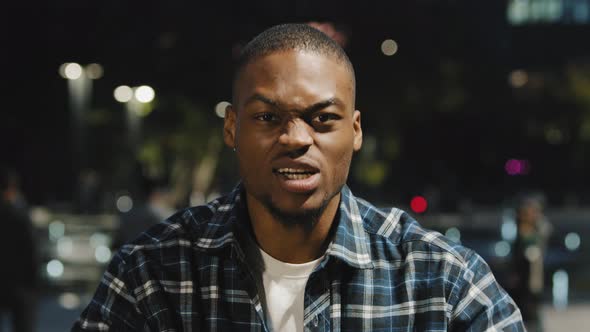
[{"x": 441, "y": 110}]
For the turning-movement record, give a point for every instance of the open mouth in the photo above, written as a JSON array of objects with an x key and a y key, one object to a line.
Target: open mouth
[{"x": 295, "y": 173}]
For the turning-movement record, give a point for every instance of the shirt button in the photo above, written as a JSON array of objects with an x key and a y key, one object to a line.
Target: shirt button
[{"x": 315, "y": 321}]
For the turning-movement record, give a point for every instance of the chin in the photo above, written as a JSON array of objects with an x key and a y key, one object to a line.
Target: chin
[
  {"x": 299, "y": 207},
  {"x": 299, "y": 203},
  {"x": 306, "y": 217}
]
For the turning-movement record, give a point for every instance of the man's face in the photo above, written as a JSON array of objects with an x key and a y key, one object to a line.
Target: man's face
[{"x": 295, "y": 129}]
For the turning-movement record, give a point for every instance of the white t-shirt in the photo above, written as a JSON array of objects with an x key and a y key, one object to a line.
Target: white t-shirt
[{"x": 284, "y": 285}]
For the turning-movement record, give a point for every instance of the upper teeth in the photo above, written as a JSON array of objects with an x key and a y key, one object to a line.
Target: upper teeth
[{"x": 293, "y": 170}]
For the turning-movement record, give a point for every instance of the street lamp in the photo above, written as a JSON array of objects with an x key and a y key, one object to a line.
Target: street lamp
[
  {"x": 137, "y": 102},
  {"x": 79, "y": 91}
]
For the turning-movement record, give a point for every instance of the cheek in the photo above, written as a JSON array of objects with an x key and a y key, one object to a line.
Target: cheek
[
  {"x": 339, "y": 162},
  {"x": 252, "y": 153}
]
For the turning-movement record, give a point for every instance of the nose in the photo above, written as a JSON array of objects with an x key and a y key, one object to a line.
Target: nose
[{"x": 296, "y": 135}]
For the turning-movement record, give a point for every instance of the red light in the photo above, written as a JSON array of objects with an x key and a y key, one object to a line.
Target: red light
[{"x": 418, "y": 204}]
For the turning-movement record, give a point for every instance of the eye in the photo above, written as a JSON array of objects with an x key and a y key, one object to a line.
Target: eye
[
  {"x": 267, "y": 117},
  {"x": 324, "y": 118}
]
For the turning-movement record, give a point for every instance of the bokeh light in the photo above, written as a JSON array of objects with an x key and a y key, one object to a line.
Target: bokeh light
[
  {"x": 55, "y": 268},
  {"x": 65, "y": 247},
  {"x": 502, "y": 248},
  {"x": 144, "y": 94},
  {"x": 69, "y": 300},
  {"x": 99, "y": 239},
  {"x": 572, "y": 241},
  {"x": 389, "y": 47},
  {"x": 102, "y": 254},
  {"x": 518, "y": 78},
  {"x": 73, "y": 71},
  {"x": 419, "y": 204},
  {"x": 560, "y": 289},
  {"x": 517, "y": 167},
  {"x": 56, "y": 230},
  {"x": 554, "y": 136},
  {"x": 94, "y": 71},
  {"x": 453, "y": 234},
  {"x": 220, "y": 108},
  {"x": 124, "y": 204},
  {"x": 123, "y": 93},
  {"x": 509, "y": 230}
]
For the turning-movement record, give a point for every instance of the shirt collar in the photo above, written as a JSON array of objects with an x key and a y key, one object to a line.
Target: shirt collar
[
  {"x": 350, "y": 243},
  {"x": 230, "y": 225}
]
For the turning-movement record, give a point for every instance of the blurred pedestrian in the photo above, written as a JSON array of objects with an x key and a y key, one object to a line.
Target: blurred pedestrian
[
  {"x": 148, "y": 211},
  {"x": 527, "y": 281},
  {"x": 88, "y": 198},
  {"x": 18, "y": 279}
]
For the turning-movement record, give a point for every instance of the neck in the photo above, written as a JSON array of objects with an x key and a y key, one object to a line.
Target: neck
[{"x": 294, "y": 244}]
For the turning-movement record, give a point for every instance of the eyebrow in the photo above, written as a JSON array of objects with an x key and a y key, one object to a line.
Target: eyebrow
[{"x": 311, "y": 109}]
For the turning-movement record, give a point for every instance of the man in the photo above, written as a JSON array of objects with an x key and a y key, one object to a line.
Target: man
[{"x": 291, "y": 248}]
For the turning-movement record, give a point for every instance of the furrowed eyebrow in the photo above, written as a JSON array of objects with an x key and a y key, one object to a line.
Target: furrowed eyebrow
[
  {"x": 261, "y": 98},
  {"x": 321, "y": 105},
  {"x": 311, "y": 109}
]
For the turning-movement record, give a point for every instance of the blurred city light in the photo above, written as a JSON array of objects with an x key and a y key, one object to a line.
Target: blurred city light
[
  {"x": 72, "y": 71},
  {"x": 62, "y": 70},
  {"x": 220, "y": 108},
  {"x": 55, "y": 268},
  {"x": 554, "y": 136},
  {"x": 508, "y": 230},
  {"x": 389, "y": 47},
  {"x": 94, "y": 71},
  {"x": 69, "y": 301},
  {"x": 144, "y": 94},
  {"x": 123, "y": 93},
  {"x": 56, "y": 230},
  {"x": 518, "y": 78},
  {"x": 517, "y": 167},
  {"x": 520, "y": 12},
  {"x": 560, "y": 289},
  {"x": 65, "y": 247},
  {"x": 40, "y": 216},
  {"x": 99, "y": 239},
  {"x": 453, "y": 234},
  {"x": 124, "y": 203},
  {"x": 419, "y": 204},
  {"x": 533, "y": 253},
  {"x": 102, "y": 254},
  {"x": 502, "y": 248},
  {"x": 572, "y": 241}
]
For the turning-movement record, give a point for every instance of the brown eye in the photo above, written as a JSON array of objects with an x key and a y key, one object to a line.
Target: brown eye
[
  {"x": 267, "y": 117},
  {"x": 325, "y": 117}
]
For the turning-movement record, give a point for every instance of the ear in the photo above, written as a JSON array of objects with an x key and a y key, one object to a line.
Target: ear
[
  {"x": 358, "y": 131},
  {"x": 229, "y": 127}
]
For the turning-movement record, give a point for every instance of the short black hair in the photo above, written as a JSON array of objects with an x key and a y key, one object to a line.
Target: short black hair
[{"x": 286, "y": 37}]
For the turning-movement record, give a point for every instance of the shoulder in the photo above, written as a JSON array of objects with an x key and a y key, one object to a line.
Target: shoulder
[
  {"x": 181, "y": 230},
  {"x": 403, "y": 233}
]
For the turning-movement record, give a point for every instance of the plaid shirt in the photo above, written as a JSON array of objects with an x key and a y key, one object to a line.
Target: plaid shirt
[{"x": 201, "y": 270}]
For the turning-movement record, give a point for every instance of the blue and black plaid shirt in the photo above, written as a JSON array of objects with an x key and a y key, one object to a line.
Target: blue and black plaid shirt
[{"x": 200, "y": 270}]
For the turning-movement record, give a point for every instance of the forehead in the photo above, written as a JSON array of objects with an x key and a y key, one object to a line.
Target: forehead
[{"x": 291, "y": 73}]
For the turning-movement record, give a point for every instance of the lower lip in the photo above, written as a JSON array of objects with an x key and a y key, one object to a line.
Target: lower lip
[{"x": 299, "y": 186}]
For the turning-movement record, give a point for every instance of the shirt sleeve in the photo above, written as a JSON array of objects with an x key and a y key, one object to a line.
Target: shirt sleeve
[
  {"x": 113, "y": 307},
  {"x": 482, "y": 304}
]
